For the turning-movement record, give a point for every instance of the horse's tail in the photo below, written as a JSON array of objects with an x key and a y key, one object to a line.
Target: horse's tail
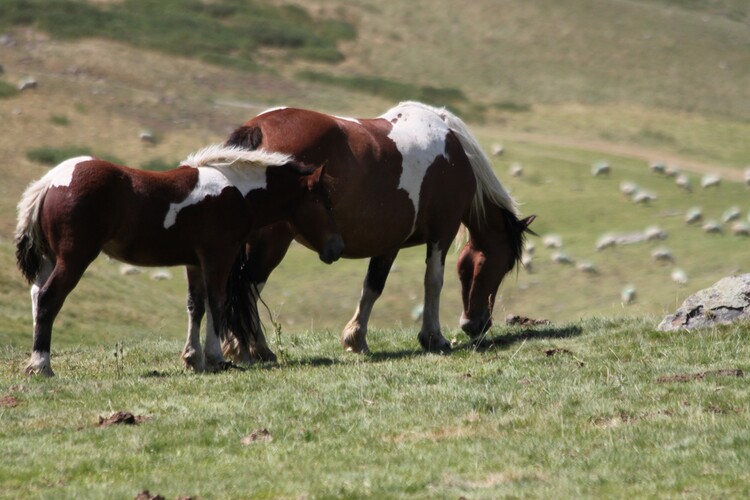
[
  {"x": 31, "y": 244},
  {"x": 241, "y": 310}
]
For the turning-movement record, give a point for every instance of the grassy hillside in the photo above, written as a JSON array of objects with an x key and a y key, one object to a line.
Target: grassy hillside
[
  {"x": 596, "y": 408},
  {"x": 559, "y": 86}
]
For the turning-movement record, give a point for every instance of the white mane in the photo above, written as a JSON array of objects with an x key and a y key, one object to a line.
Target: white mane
[{"x": 235, "y": 158}]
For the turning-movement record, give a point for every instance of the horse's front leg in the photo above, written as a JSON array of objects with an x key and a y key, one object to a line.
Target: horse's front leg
[
  {"x": 430, "y": 337},
  {"x": 192, "y": 355},
  {"x": 354, "y": 337}
]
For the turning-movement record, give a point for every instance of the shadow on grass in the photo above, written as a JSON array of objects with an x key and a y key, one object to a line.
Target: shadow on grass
[{"x": 507, "y": 340}]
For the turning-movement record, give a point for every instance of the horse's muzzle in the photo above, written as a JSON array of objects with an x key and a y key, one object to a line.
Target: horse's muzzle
[
  {"x": 332, "y": 250},
  {"x": 476, "y": 326}
]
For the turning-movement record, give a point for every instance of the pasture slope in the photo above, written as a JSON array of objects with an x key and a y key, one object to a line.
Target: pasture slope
[{"x": 596, "y": 404}]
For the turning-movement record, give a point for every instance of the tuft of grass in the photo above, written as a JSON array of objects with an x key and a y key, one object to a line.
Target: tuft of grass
[
  {"x": 532, "y": 414},
  {"x": 158, "y": 165},
  {"x": 59, "y": 120},
  {"x": 7, "y": 90},
  {"x": 50, "y": 155},
  {"x": 382, "y": 87}
]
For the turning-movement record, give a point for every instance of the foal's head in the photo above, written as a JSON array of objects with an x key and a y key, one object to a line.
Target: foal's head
[
  {"x": 300, "y": 194},
  {"x": 494, "y": 248}
]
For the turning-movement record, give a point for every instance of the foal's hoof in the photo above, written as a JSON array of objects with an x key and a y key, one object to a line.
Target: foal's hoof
[
  {"x": 354, "y": 339},
  {"x": 43, "y": 370}
]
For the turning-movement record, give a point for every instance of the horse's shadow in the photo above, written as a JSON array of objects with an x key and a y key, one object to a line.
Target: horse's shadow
[
  {"x": 483, "y": 344},
  {"x": 507, "y": 340}
]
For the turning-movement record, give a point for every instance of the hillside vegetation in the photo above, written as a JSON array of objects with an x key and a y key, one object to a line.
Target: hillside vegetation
[
  {"x": 597, "y": 404},
  {"x": 508, "y": 65}
]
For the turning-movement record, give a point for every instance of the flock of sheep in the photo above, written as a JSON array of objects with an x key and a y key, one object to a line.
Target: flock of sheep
[{"x": 732, "y": 219}]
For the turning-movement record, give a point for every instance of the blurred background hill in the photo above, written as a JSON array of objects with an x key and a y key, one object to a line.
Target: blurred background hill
[{"x": 561, "y": 86}]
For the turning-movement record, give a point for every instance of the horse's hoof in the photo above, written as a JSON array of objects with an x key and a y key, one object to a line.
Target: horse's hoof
[
  {"x": 350, "y": 345},
  {"x": 193, "y": 360},
  {"x": 354, "y": 339},
  {"x": 436, "y": 346},
  {"x": 44, "y": 371},
  {"x": 262, "y": 354}
]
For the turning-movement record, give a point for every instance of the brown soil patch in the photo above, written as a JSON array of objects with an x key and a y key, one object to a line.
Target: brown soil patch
[
  {"x": 260, "y": 435},
  {"x": 146, "y": 495},
  {"x": 122, "y": 417},
  {"x": 9, "y": 401},
  {"x": 514, "y": 319},
  {"x": 687, "y": 377}
]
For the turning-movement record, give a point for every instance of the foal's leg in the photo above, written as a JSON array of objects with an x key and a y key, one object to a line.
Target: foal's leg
[
  {"x": 429, "y": 336},
  {"x": 354, "y": 338},
  {"x": 47, "y": 298},
  {"x": 196, "y": 308},
  {"x": 39, "y": 362},
  {"x": 215, "y": 276}
]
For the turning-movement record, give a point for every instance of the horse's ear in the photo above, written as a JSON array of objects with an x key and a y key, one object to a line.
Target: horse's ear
[
  {"x": 246, "y": 138},
  {"x": 527, "y": 222},
  {"x": 313, "y": 179}
]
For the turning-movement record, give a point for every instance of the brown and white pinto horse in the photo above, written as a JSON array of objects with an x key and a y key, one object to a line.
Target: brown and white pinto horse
[
  {"x": 198, "y": 215},
  {"x": 409, "y": 177}
]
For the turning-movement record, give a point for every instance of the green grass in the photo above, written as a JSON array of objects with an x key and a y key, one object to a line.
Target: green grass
[
  {"x": 51, "y": 155},
  {"x": 226, "y": 32},
  {"x": 576, "y": 409},
  {"x": 8, "y": 90}
]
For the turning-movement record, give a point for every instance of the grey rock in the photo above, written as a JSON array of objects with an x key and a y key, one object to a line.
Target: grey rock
[{"x": 727, "y": 301}]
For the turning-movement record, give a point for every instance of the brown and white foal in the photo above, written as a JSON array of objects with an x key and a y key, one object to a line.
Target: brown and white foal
[{"x": 197, "y": 215}]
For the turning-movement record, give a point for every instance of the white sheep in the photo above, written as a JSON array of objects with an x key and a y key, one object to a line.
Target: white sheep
[
  {"x": 694, "y": 215},
  {"x": 683, "y": 182},
  {"x": 601, "y": 168},
  {"x": 710, "y": 180},
  {"x": 662, "y": 254},
  {"x": 552, "y": 241},
  {"x": 712, "y": 227},
  {"x": 679, "y": 276},
  {"x": 628, "y": 294},
  {"x": 653, "y": 233},
  {"x": 731, "y": 214},
  {"x": 516, "y": 170},
  {"x": 606, "y": 241},
  {"x": 741, "y": 229},
  {"x": 628, "y": 188}
]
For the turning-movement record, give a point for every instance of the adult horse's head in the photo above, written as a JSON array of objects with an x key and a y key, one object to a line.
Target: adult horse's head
[{"x": 494, "y": 248}]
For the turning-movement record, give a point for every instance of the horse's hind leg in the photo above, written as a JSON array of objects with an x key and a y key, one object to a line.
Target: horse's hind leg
[
  {"x": 47, "y": 298},
  {"x": 430, "y": 336},
  {"x": 354, "y": 337},
  {"x": 192, "y": 355}
]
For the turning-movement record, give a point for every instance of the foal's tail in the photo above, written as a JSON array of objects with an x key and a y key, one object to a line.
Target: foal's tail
[
  {"x": 241, "y": 311},
  {"x": 31, "y": 244}
]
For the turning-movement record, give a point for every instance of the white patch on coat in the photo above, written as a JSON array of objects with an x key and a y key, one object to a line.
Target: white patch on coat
[
  {"x": 347, "y": 119},
  {"x": 419, "y": 135},
  {"x": 220, "y": 167},
  {"x": 269, "y": 110},
  {"x": 62, "y": 174},
  {"x": 211, "y": 182},
  {"x": 28, "y": 207}
]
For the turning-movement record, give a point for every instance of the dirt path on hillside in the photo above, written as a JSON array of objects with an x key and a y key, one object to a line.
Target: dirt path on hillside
[{"x": 646, "y": 154}]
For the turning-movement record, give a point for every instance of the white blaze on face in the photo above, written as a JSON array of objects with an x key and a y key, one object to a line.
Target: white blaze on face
[
  {"x": 211, "y": 182},
  {"x": 62, "y": 174},
  {"x": 419, "y": 135}
]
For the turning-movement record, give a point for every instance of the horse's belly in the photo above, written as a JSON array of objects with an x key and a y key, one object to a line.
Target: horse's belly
[{"x": 149, "y": 255}]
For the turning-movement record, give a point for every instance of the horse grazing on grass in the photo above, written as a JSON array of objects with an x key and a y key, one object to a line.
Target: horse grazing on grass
[
  {"x": 198, "y": 215},
  {"x": 412, "y": 176}
]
